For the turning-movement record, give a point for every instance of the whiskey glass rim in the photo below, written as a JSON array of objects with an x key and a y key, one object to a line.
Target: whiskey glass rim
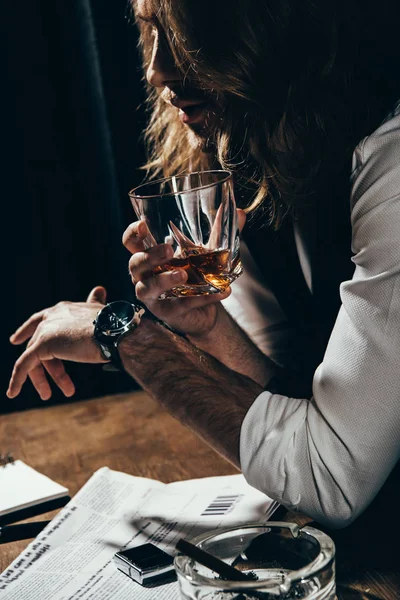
[
  {"x": 133, "y": 193},
  {"x": 325, "y": 556}
]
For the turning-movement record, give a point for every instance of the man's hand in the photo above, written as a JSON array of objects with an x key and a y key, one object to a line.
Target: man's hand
[
  {"x": 195, "y": 316},
  {"x": 62, "y": 332}
]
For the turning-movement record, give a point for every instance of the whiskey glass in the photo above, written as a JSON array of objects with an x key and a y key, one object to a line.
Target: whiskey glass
[
  {"x": 196, "y": 214},
  {"x": 283, "y": 561}
]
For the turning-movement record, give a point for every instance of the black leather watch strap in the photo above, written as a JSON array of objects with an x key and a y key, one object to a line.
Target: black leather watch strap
[{"x": 112, "y": 355}]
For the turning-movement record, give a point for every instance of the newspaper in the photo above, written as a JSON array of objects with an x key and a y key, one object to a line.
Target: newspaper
[{"x": 71, "y": 559}]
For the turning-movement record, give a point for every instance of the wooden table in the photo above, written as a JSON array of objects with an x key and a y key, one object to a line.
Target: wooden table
[{"x": 133, "y": 434}]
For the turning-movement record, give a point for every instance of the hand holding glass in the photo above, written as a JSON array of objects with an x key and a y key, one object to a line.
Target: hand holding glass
[{"x": 196, "y": 214}]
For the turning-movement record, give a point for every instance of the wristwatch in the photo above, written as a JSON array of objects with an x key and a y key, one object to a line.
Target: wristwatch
[{"x": 113, "y": 322}]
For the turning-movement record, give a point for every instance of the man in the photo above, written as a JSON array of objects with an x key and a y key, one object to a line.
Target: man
[{"x": 242, "y": 391}]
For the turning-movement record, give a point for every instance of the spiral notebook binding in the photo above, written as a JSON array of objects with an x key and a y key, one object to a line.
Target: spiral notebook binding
[{"x": 6, "y": 459}]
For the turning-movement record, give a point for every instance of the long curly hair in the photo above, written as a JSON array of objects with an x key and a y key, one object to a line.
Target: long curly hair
[{"x": 301, "y": 83}]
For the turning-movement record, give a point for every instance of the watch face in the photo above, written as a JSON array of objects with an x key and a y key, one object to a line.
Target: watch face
[{"x": 115, "y": 316}]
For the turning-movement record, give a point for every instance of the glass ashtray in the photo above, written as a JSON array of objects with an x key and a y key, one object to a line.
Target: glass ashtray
[{"x": 283, "y": 561}]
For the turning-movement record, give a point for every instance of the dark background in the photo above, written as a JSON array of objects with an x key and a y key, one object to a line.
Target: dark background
[{"x": 71, "y": 124}]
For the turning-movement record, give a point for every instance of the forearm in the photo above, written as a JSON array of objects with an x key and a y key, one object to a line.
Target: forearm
[
  {"x": 196, "y": 388},
  {"x": 228, "y": 343}
]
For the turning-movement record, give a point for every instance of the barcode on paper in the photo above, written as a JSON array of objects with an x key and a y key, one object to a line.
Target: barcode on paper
[{"x": 221, "y": 505}]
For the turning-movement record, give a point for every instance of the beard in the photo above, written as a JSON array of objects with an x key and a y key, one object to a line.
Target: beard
[
  {"x": 201, "y": 140},
  {"x": 203, "y": 136}
]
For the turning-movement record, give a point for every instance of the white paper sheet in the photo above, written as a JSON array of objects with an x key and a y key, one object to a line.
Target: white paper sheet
[
  {"x": 71, "y": 559},
  {"x": 22, "y": 486}
]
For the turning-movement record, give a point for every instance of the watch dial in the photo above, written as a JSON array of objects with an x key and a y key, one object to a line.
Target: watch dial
[{"x": 116, "y": 315}]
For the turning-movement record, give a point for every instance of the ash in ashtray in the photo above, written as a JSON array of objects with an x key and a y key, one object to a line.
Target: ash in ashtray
[
  {"x": 295, "y": 594},
  {"x": 252, "y": 576}
]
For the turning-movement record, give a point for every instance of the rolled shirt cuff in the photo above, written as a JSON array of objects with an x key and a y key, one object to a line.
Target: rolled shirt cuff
[{"x": 266, "y": 442}]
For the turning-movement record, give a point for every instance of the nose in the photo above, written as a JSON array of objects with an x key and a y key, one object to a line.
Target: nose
[{"x": 162, "y": 69}]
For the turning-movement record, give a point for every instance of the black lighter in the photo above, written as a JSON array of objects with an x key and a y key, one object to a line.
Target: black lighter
[{"x": 146, "y": 564}]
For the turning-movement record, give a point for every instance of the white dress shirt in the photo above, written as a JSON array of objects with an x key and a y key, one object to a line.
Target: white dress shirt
[{"x": 328, "y": 456}]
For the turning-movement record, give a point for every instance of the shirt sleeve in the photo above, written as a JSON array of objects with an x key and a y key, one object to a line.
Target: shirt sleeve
[
  {"x": 329, "y": 456},
  {"x": 255, "y": 308}
]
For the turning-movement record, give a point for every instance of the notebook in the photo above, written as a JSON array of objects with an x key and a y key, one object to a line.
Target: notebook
[{"x": 25, "y": 492}]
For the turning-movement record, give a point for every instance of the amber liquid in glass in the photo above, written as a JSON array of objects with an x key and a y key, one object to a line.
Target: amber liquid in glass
[{"x": 203, "y": 269}]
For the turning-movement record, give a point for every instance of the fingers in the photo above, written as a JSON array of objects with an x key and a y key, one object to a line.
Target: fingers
[
  {"x": 28, "y": 361},
  {"x": 40, "y": 383},
  {"x": 98, "y": 294},
  {"x": 133, "y": 236},
  {"x": 181, "y": 306},
  {"x": 27, "y": 329},
  {"x": 174, "y": 307},
  {"x": 29, "y": 365},
  {"x": 242, "y": 217},
  {"x": 141, "y": 264},
  {"x": 57, "y": 372},
  {"x": 152, "y": 288}
]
